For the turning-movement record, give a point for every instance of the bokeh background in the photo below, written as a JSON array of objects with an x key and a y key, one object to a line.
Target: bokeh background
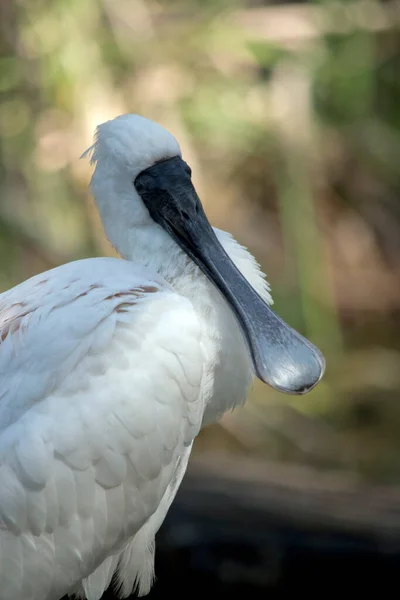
[{"x": 289, "y": 114}]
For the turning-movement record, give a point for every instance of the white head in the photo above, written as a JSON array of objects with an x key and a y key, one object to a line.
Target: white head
[
  {"x": 123, "y": 148},
  {"x": 141, "y": 184},
  {"x": 132, "y": 143}
]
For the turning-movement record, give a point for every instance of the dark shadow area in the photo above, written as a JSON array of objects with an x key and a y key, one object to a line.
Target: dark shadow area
[{"x": 238, "y": 537}]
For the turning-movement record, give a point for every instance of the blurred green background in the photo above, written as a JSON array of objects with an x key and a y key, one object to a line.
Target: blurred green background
[{"x": 289, "y": 114}]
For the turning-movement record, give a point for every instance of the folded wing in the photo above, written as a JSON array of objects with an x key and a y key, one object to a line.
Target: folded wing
[{"x": 101, "y": 395}]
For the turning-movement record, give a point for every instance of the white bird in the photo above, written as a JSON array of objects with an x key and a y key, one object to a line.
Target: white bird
[{"x": 109, "y": 368}]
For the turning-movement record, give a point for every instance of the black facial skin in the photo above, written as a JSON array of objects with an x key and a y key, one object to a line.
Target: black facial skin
[{"x": 281, "y": 357}]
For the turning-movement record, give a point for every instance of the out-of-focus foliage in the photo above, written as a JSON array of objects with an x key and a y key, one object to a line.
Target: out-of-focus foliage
[{"x": 289, "y": 115}]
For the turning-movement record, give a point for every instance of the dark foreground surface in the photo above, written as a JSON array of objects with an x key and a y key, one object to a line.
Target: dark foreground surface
[{"x": 240, "y": 532}]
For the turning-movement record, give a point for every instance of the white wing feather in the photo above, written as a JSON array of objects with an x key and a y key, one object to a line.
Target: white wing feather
[{"x": 101, "y": 371}]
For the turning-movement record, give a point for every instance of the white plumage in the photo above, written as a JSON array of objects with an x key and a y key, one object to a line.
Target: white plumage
[{"x": 108, "y": 369}]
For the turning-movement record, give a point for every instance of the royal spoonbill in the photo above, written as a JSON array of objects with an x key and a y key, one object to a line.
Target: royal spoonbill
[{"x": 109, "y": 367}]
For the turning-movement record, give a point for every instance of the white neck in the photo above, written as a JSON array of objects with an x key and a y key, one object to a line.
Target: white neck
[
  {"x": 150, "y": 246},
  {"x": 139, "y": 239}
]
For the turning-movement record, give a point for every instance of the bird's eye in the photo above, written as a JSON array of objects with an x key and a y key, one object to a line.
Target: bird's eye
[
  {"x": 143, "y": 182},
  {"x": 139, "y": 186}
]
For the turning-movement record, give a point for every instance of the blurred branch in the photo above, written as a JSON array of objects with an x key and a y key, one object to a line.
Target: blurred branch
[{"x": 297, "y": 495}]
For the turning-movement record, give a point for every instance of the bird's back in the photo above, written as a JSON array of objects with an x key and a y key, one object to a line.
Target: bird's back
[{"x": 101, "y": 395}]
